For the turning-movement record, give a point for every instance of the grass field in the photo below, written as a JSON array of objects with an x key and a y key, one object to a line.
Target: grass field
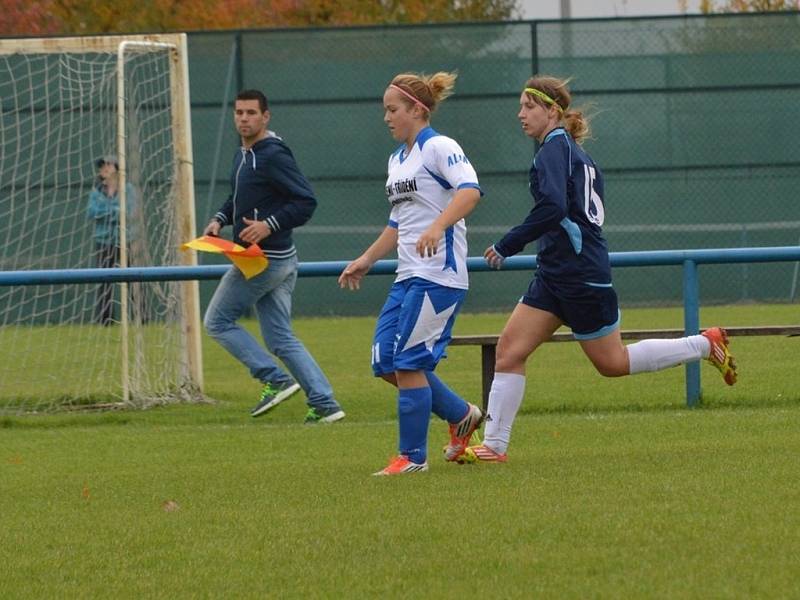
[{"x": 613, "y": 488}]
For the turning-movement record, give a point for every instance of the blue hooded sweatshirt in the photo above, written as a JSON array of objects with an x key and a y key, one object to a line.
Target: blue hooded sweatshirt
[{"x": 267, "y": 185}]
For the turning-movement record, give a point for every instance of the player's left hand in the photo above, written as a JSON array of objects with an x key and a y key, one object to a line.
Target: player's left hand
[
  {"x": 428, "y": 242},
  {"x": 255, "y": 231}
]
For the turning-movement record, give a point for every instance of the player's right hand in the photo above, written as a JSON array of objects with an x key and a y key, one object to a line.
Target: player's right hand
[
  {"x": 493, "y": 258},
  {"x": 353, "y": 274},
  {"x": 212, "y": 228}
]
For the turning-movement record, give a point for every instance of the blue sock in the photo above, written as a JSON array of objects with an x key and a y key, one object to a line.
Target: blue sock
[
  {"x": 445, "y": 403},
  {"x": 413, "y": 415}
]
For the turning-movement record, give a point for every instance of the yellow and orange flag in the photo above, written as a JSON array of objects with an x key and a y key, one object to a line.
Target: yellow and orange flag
[{"x": 250, "y": 261}]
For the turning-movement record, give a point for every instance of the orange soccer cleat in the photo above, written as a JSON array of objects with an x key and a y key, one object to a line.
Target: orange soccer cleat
[
  {"x": 461, "y": 433},
  {"x": 720, "y": 356},
  {"x": 479, "y": 454},
  {"x": 400, "y": 465}
]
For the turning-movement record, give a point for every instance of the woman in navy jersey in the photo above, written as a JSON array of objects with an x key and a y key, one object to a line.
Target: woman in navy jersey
[
  {"x": 573, "y": 284},
  {"x": 431, "y": 186}
]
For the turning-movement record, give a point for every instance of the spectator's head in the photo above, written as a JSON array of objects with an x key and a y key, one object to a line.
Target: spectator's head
[{"x": 107, "y": 166}]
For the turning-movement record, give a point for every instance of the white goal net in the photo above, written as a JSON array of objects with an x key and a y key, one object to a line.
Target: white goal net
[{"x": 95, "y": 172}]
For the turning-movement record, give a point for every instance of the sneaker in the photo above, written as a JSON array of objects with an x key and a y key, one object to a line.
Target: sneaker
[
  {"x": 319, "y": 416},
  {"x": 480, "y": 453},
  {"x": 400, "y": 464},
  {"x": 461, "y": 433},
  {"x": 273, "y": 394},
  {"x": 720, "y": 356}
]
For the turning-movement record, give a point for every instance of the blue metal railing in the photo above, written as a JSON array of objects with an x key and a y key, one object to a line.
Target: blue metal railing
[{"x": 688, "y": 259}]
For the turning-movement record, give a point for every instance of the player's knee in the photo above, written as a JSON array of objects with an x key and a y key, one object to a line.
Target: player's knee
[
  {"x": 508, "y": 362},
  {"x": 389, "y": 378},
  {"x": 611, "y": 369}
]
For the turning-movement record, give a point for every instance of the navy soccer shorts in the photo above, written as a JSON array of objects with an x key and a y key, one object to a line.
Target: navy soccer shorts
[{"x": 591, "y": 311}]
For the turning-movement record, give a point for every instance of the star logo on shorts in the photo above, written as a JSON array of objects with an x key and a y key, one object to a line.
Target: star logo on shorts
[{"x": 430, "y": 325}]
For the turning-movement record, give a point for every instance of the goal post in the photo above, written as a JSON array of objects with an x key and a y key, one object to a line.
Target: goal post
[{"x": 70, "y": 108}]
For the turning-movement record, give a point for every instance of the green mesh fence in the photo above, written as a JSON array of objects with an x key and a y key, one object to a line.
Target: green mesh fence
[{"x": 694, "y": 125}]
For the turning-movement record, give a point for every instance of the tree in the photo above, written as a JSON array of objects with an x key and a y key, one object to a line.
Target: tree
[
  {"x": 23, "y": 17},
  {"x": 79, "y": 17},
  {"x": 742, "y": 6}
]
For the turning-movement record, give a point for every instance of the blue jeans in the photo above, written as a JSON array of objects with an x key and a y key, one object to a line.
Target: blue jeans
[{"x": 271, "y": 293}]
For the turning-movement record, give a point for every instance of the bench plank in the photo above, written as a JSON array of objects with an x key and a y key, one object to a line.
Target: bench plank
[
  {"x": 635, "y": 334},
  {"x": 488, "y": 344}
]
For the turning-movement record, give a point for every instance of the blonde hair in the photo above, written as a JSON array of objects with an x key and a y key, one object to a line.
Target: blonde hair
[
  {"x": 429, "y": 90},
  {"x": 575, "y": 121}
]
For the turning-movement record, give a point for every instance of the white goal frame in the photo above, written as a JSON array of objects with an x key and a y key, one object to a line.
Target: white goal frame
[{"x": 185, "y": 201}]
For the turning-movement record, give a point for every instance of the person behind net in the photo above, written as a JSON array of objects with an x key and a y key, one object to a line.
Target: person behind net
[
  {"x": 269, "y": 197},
  {"x": 573, "y": 284},
  {"x": 431, "y": 187},
  {"x": 103, "y": 212}
]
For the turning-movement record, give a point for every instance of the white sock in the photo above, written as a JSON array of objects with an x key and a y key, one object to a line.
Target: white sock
[
  {"x": 505, "y": 398},
  {"x": 655, "y": 355}
]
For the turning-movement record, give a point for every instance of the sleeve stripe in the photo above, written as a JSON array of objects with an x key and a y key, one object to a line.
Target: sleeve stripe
[{"x": 474, "y": 186}]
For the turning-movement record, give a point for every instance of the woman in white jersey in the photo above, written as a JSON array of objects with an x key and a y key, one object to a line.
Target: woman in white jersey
[{"x": 431, "y": 187}]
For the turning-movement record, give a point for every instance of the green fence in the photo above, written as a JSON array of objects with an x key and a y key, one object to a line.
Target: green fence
[{"x": 695, "y": 126}]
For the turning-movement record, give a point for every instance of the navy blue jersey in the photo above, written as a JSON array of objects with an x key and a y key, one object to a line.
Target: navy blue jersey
[{"x": 566, "y": 219}]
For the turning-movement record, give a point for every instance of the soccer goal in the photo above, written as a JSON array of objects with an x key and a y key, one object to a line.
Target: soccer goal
[{"x": 96, "y": 171}]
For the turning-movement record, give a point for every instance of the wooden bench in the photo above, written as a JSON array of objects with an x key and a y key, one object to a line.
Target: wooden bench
[{"x": 488, "y": 344}]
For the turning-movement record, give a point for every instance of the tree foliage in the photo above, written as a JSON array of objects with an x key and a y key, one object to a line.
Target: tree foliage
[
  {"x": 26, "y": 17},
  {"x": 77, "y": 17},
  {"x": 742, "y": 6}
]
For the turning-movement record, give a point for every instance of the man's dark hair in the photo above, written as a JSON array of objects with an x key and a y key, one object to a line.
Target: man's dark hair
[
  {"x": 254, "y": 95},
  {"x": 107, "y": 160}
]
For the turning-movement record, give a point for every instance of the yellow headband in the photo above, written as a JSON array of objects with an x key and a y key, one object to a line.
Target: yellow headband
[{"x": 545, "y": 97}]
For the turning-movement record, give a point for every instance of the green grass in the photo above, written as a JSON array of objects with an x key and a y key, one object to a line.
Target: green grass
[{"x": 613, "y": 490}]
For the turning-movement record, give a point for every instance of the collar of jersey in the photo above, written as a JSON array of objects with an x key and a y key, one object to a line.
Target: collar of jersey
[
  {"x": 554, "y": 133},
  {"x": 423, "y": 136}
]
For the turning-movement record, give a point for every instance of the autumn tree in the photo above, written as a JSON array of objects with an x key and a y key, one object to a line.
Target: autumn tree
[
  {"x": 743, "y": 6},
  {"x": 25, "y": 17},
  {"x": 73, "y": 17}
]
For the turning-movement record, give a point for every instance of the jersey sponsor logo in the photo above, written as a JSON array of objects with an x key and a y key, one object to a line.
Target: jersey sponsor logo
[
  {"x": 456, "y": 158},
  {"x": 403, "y": 186},
  {"x": 400, "y": 200}
]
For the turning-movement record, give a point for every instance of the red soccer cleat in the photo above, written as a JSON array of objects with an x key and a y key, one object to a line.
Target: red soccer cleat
[{"x": 720, "y": 356}]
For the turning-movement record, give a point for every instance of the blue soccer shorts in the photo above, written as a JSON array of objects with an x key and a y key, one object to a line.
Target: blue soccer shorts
[
  {"x": 415, "y": 326},
  {"x": 591, "y": 311}
]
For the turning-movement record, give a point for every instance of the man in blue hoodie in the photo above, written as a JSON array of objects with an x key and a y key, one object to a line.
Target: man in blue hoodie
[{"x": 269, "y": 197}]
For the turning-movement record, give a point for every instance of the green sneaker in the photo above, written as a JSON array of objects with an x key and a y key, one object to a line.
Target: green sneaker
[
  {"x": 272, "y": 395},
  {"x": 315, "y": 416}
]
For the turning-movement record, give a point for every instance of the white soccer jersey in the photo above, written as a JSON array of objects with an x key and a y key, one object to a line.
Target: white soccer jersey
[{"x": 420, "y": 186}]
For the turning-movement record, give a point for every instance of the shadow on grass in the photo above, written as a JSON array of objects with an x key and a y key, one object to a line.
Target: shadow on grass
[
  {"x": 704, "y": 405},
  {"x": 196, "y": 415}
]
